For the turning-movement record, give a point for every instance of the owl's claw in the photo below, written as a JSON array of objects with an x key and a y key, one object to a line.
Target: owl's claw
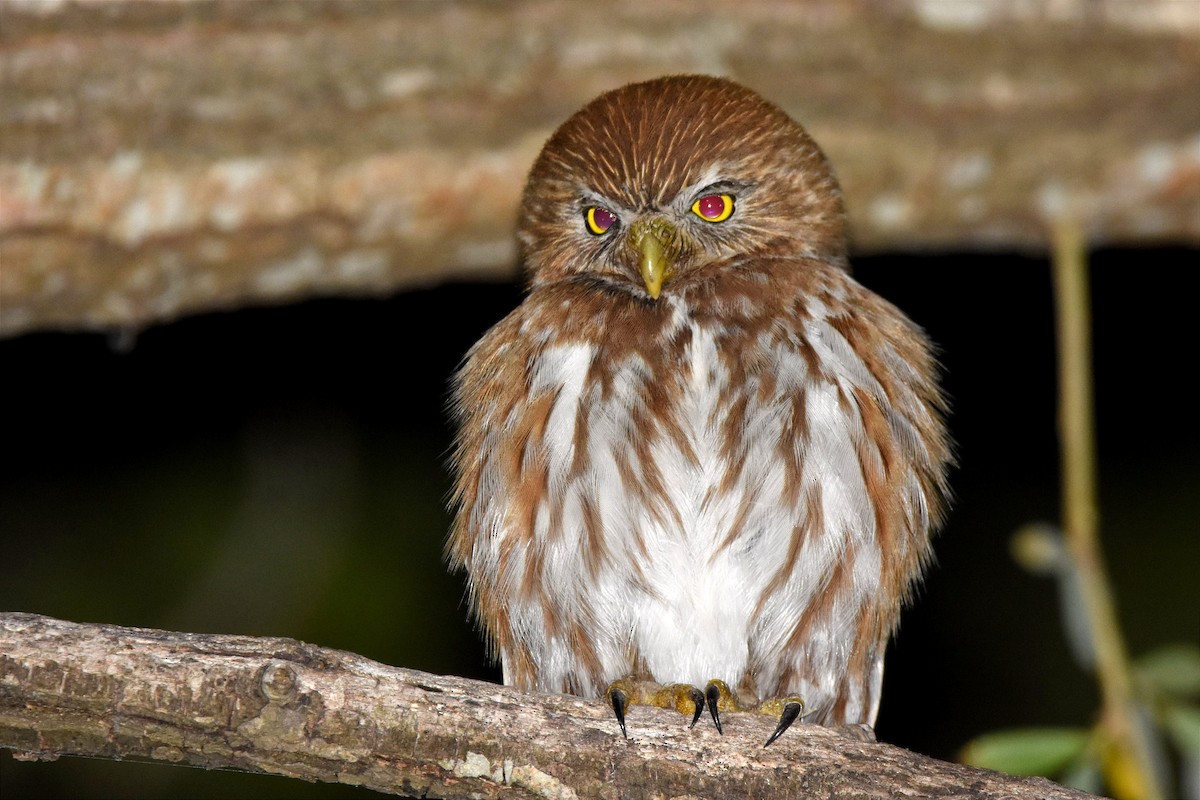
[
  {"x": 620, "y": 702},
  {"x": 793, "y": 708},
  {"x": 697, "y": 699},
  {"x": 713, "y": 693}
]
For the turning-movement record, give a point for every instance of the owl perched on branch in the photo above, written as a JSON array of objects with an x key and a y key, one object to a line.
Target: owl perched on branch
[{"x": 699, "y": 465}]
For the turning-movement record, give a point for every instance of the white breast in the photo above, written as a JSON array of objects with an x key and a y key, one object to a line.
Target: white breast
[{"x": 668, "y": 589}]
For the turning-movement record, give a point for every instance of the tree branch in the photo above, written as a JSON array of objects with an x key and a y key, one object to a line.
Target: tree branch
[
  {"x": 160, "y": 159},
  {"x": 283, "y": 707}
]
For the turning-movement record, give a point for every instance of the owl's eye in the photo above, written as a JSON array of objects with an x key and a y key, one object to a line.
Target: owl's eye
[
  {"x": 713, "y": 207},
  {"x": 599, "y": 220}
]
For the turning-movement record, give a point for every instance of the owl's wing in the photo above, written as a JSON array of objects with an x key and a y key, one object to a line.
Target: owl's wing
[{"x": 862, "y": 451}]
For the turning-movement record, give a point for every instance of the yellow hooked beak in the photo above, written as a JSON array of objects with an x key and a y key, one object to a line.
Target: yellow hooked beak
[{"x": 658, "y": 244}]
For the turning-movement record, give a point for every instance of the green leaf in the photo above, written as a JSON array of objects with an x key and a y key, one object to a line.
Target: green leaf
[
  {"x": 1026, "y": 751},
  {"x": 1183, "y": 723},
  {"x": 1173, "y": 670}
]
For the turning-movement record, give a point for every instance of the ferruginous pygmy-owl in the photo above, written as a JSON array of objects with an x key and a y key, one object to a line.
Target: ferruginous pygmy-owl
[{"x": 698, "y": 454}]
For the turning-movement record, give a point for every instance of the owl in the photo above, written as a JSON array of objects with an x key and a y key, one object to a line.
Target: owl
[{"x": 699, "y": 465}]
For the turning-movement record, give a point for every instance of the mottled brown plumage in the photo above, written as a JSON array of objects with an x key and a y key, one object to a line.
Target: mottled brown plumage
[{"x": 699, "y": 451}]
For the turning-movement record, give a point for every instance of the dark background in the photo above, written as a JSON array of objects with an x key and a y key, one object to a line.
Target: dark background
[{"x": 282, "y": 471}]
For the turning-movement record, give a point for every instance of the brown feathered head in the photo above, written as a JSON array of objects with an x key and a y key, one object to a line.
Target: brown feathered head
[{"x": 652, "y": 182}]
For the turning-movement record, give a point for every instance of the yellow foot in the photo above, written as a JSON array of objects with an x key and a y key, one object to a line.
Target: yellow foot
[
  {"x": 630, "y": 691},
  {"x": 686, "y": 699},
  {"x": 786, "y": 709},
  {"x": 690, "y": 701}
]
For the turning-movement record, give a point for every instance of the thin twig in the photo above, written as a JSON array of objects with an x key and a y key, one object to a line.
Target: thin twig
[{"x": 1080, "y": 515}]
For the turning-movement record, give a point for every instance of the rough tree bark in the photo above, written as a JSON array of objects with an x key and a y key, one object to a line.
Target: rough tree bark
[
  {"x": 159, "y": 159},
  {"x": 284, "y": 707}
]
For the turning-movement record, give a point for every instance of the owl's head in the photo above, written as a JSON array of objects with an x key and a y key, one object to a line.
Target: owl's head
[{"x": 651, "y": 183}]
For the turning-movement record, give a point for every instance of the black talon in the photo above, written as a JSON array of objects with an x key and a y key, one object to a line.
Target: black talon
[
  {"x": 714, "y": 695},
  {"x": 697, "y": 698},
  {"x": 790, "y": 712},
  {"x": 620, "y": 702}
]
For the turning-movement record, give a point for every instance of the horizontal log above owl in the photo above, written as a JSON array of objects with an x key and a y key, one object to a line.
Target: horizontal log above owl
[{"x": 163, "y": 159}]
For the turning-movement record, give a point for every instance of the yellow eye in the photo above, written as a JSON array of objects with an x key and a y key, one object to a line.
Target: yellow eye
[
  {"x": 599, "y": 220},
  {"x": 713, "y": 207}
]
